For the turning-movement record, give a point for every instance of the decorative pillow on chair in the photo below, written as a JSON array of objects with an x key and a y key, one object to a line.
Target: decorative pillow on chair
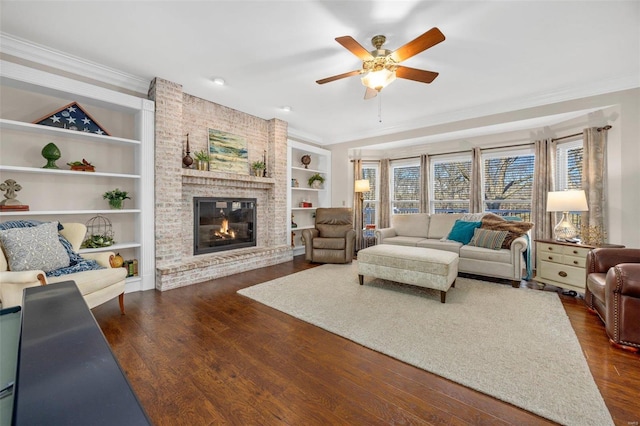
[
  {"x": 488, "y": 239},
  {"x": 35, "y": 247},
  {"x": 462, "y": 231}
]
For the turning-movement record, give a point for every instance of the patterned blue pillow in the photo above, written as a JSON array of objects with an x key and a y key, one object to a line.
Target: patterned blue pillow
[{"x": 34, "y": 248}]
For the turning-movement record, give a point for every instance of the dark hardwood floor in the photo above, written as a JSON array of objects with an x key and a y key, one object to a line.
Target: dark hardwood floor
[{"x": 204, "y": 355}]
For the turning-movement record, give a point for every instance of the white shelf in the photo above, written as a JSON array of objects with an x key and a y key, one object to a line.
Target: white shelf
[
  {"x": 65, "y": 172},
  {"x": 308, "y": 170},
  {"x": 306, "y": 189},
  {"x": 65, "y": 212},
  {"x": 62, "y": 133},
  {"x": 114, "y": 247},
  {"x": 72, "y": 194},
  {"x": 300, "y": 228},
  {"x": 302, "y": 208}
]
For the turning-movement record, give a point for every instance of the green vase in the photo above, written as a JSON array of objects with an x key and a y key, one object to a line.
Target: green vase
[
  {"x": 116, "y": 204},
  {"x": 51, "y": 153}
]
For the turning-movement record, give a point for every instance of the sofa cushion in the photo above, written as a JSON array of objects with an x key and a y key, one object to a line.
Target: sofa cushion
[
  {"x": 462, "y": 231},
  {"x": 446, "y": 245},
  {"x": 403, "y": 241},
  {"x": 34, "y": 248},
  {"x": 440, "y": 224},
  {"x": 481, "y": 253},
  {"x": 488, "y": 239},
  {"x": 497, "y": 223},
  {"x": 411, "y": 225}
]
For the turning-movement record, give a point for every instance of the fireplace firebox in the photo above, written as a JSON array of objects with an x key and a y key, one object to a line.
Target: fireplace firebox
[{"x": 223, "y": 224}]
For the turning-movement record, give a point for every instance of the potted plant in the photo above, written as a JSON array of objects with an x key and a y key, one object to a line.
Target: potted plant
[
  {"x": 258, "y": 167},
  {"x": 202, "y": 160},
  {"x": 116, "y": 198},
  {"x": 316, "y": 180}
]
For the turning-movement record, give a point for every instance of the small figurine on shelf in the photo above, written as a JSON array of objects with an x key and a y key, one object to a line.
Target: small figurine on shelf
[
  {"x": 10, "y": 202},
  {"x": 187, "y": 160},
  {"x": 82, "y": 166},
  {"x": 51, "y": 153},
  {"x": 293, "y": 224}
]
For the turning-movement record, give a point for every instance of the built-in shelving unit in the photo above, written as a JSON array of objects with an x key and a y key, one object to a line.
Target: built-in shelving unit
[
  {"x": 300, "y": 191},
  {"x": 123, "y": 160}
]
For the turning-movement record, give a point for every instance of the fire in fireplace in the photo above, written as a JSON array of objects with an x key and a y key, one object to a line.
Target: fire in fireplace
[{"x": 223, "y": 224}]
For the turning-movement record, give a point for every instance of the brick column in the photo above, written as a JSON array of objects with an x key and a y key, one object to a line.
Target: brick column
[{"x": 168, "y": 163}]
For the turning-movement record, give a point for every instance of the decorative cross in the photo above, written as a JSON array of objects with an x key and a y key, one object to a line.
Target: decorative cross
[{"x": 11, "y": 187}]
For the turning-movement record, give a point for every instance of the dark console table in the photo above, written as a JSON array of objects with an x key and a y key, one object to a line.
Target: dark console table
[{"x": 67, "y": 374}]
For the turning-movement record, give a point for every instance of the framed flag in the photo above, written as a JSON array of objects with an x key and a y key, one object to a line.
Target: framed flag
[{"x": 72, "y": 117}]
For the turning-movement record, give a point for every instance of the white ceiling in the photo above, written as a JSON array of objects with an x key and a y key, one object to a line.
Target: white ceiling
[{"x": 497, "y": 56}]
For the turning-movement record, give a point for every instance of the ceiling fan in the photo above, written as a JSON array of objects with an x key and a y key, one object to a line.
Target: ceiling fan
[{"x": 381, "y": 66}]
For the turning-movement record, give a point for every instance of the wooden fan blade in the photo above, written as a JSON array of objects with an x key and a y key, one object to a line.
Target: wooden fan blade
[
  {"x": 354, "y": 47},
  {"x": 338, "y": 77},
  {"x": 419, "y": 44},
  {"x": 415, "y": 74},
  {"x": 370, "y": 93}
]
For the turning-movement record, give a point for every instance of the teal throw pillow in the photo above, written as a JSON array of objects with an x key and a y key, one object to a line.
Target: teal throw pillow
[{"x": 462, "y": 231}]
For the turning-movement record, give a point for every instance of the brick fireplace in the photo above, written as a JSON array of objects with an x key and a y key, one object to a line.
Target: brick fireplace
[{"x": 177, "y": 114}]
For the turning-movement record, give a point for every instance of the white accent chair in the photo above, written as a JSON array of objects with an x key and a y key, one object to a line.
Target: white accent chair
[{"x": 97, "y": 286}]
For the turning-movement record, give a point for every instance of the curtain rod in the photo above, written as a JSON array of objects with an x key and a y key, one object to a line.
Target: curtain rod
[
  {"x": 456, "y": 152},
  {"x": 607, "y": 127}
]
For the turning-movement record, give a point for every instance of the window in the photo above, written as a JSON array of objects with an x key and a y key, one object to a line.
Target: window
[
  {"x": 405, "y": 186},
  {"x": 507, "y": 182},
  {"x": 449, "y": 183},
  {"x": 569, "y": 157},
  {"x": 569, "y": 165},
  {"x": 370, "y": 206}
]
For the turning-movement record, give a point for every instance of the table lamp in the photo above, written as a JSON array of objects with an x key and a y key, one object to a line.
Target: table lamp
[{"x": 565, "y": 202}]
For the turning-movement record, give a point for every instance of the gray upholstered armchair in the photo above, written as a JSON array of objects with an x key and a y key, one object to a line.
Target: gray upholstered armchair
[{"x": 333, "y": 238}]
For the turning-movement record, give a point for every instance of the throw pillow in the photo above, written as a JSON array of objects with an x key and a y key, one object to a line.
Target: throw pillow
[
  {"x": 35, "y": 247},
  {"x": 488, "y": 239},
  {"x": 462, "y": 231},
  {"x": 497, "y": 223}
]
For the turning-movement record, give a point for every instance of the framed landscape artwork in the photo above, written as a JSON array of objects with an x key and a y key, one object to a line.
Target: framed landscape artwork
[{"x": 228, "y": 152}]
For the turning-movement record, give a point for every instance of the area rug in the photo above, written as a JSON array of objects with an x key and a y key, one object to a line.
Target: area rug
[{"x": 516, "y": 345}]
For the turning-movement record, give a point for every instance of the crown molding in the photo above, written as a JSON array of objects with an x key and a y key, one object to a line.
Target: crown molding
[
  {"x": 24, "y": 49},
  {"x": 558, "y": 95}
]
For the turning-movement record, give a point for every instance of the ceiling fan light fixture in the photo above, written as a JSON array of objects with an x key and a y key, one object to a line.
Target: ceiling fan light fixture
[{"x": 378, "y": 80}]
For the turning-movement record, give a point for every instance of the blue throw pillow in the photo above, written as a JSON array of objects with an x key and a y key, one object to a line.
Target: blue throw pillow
[{"x": 462, "y": 231}]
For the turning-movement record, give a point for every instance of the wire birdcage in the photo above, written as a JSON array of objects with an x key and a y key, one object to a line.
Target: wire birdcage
[{"x": 99, "y": 233}]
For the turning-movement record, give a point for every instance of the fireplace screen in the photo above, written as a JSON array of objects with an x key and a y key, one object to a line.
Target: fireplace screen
[{"x": 223, "y": 224}]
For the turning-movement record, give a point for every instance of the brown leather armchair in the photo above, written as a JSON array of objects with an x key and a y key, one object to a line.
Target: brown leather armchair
[
  {"x": 333, "y": 238},
  {"x": 613, "y": 292}
]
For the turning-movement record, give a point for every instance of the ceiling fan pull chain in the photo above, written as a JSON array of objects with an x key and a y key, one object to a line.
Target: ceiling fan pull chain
[{"x": 380, "y": 107}]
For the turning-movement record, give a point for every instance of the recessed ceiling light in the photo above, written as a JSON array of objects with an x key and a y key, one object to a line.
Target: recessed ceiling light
[
  {"x": 219, "y": 81},
  {"x": 286, "y": 108}
]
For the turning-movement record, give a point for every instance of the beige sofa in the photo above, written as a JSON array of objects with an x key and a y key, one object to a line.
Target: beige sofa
[
  {"x": 96, "y": 286},
  {"x": 431, "y": 230}
]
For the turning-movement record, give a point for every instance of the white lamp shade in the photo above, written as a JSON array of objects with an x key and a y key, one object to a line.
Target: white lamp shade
[
  {"x": 362, "y": 185},
  {"x": 567, "y": 201},
  {"x": 378, "y": 80}
]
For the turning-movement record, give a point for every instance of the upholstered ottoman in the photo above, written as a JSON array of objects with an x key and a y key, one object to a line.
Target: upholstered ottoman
[{"x": 423, "y": 267}]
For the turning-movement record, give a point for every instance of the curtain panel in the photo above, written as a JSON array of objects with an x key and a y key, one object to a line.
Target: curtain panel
[
  {"x": 424, "y": 183},
  {"x": 357, "y": 204},
  {"x": 594, "y": 176},
  {"x": 385, "y": 203},
  {"x": 475, "y": 186}
]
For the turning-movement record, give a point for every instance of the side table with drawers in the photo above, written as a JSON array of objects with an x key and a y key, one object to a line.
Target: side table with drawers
[{"x": 563, "y": 264}]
